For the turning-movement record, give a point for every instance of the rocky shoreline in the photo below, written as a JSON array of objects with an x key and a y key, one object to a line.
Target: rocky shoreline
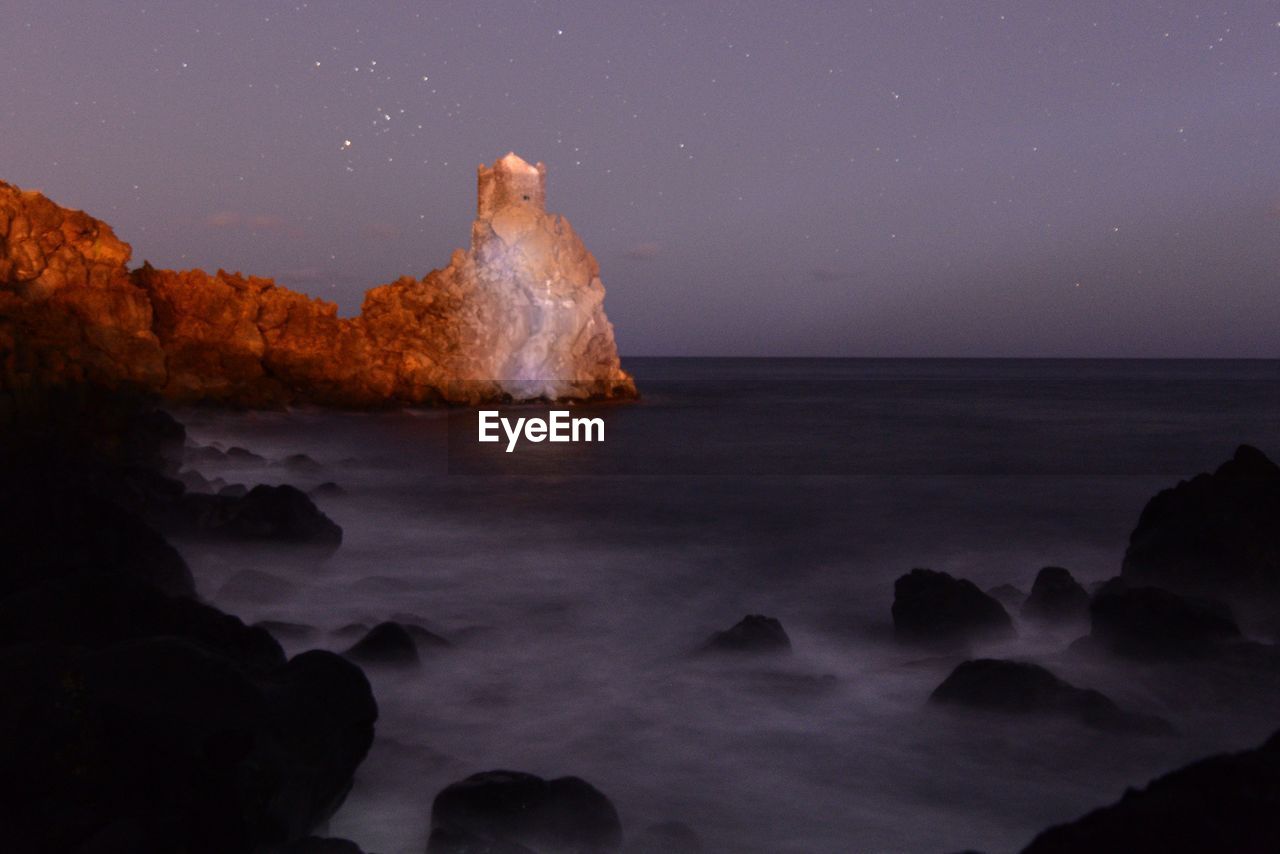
[
  {"x": 517, "y": 316},
  {"x": 141, "y": 719}
]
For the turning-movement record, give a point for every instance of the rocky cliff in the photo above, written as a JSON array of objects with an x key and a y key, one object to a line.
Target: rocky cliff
[{"x": 520, "y": 315}]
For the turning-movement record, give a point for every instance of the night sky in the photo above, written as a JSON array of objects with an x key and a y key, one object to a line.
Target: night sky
[{"x": 1022, "y": 178}]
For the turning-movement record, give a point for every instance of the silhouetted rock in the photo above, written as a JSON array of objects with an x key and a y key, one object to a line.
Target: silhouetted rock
[
  {"x": 1147, "y": 622},
  {"x": 1215, "y": 535},
  {"x": 286, "y": 630},
  {"x": 322, "y": 845},
  {"x": 1226, "y": 804},
  {"x": 233, "y": 490},
  {"x": 425, "y": 639},
  {"x": 1008, "y": 595},
  {"x": 1019, "y": 687},
  {"x": 301, "y": 463},
  {"x": 244, "y": 456},
  {"x": 386, "y": 643},
  {"x": 328, "y": 489},
  {"x": 281, "y": 514},
  {"x": 509, "y": 811},
  {"x": 1056, "y": 597},
  {"x": 754, "y": 633},
  {"x": 934, "y": 607},
  {"x": 668, "y": 837}
]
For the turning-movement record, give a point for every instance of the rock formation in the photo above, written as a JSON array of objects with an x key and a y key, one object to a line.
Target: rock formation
[{"x": 520, "y": 316}]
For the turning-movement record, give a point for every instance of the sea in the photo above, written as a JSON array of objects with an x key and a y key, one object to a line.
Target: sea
[{"x": 576, "y": 583}]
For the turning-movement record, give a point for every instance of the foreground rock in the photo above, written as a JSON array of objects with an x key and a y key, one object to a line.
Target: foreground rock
[
  {"x": 754, "y": 633},
  {"x": 136, "y": 718},
  {"x": 1019, "y": 687},
  {"x": 1227, "y": 804},
  {"x": 1215, "y": 535},
  {"x": 1056, "y": 597},
  {"x": 935, "y": 608},
  {"x": 520, "y": 315},
  {"x": 1147, "y": 622},
  {"x": 506, "y": 812}
]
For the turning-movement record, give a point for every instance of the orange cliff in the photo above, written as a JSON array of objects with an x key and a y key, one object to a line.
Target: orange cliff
[{"x": 518, "y": 316}]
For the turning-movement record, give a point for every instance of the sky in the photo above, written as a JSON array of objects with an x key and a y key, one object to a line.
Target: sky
[{"x": 1024, "y": 178}]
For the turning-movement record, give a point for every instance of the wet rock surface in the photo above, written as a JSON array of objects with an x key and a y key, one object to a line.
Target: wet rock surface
[
  {"x": 1023, "y": 688},
  {"x": 510, "y": 811},
  {"x": 935, "y": 608}
]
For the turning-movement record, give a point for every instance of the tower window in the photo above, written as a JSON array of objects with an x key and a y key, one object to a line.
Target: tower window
[{"x": 526, "y": 198}]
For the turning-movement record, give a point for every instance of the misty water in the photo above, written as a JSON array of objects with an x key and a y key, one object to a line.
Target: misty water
[{"x": 575, "y": 581}]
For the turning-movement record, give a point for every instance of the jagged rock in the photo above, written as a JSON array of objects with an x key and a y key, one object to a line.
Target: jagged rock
[
  {"x": 936, "y": 608},
  {"x": 1228, "y": 804},
  {"x": 754, "y": 633},
  {"x": 386, "y": 643},
  {"x": 1019, "y": 687},
  {"x": 1147, "y": 622},
  {"x": 520, "y": 315},
  {"x": 1056, "y": 597},
  {"x": 667, "y": 837},
  {"x": 505, "y": 812},
  {"x": 1215, "y": 535}
]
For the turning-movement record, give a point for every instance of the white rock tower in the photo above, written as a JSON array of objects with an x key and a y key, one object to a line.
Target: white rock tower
[{"x": 547, "y": 336}]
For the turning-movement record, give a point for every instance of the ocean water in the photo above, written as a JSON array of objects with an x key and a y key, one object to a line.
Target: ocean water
[{"x": 575, "y": 580}]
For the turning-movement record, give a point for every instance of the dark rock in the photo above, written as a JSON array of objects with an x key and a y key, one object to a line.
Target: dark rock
[
  {"x": 302, "y": 464},
  {"x": 50, "y": 530},
  {"x": 281, "y": 514},
  {"x": 386, "y": 643},
  {"x": 1147, "y": 622},
  {"x": 204, "y": 454},
  {"x": 425, "y": 639},
  {"x": 287, "y": 630},
  {"x": 1215, "y": 535},
  {"x": 96, "y": 610},
  {"x": 234, "y": 490},
  {"x": 162, "y": 745},
  {"x": 934, "y": 607},
  {"x": 328, "y": 489},
  {"x": 244, "y": 456},
  {"x": 668, "y": 837},
  {"x": 319, "y": 845},
  {"x": 1056, "y": 597},
  {"x": 322, "y": 845},
  {"x": 352, "y": 630},
  {"x": 1019, "y": 687},
  {"x": 508, "y": 811},
  {"x": 754, "y": 633},
  {"x": 254, "y": 585},
  {"x": 1227, "y": 804},
  {"x": 1008, "y": 595}
]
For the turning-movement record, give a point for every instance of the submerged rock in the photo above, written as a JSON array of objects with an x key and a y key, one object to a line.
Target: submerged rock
[
  {"x": 936, "y": 608},
  {"x": 753, "y": 633},
  {"x": 282, "y": 514},
  {"x": 508, "y": 811},
  {"x": 519, "y": 315},
  {"x": 386, "y": 643},
  {"x": 1228, "y": 804},
  {"x": 1147, "y": 622},
  {"x": 1056, "y": 597},
  {"x": 1019, "y": 687}
]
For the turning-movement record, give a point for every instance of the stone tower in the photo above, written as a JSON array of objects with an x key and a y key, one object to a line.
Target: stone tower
[{"x": 510, "y": 181}]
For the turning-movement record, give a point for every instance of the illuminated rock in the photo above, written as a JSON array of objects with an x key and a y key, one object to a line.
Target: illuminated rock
[{"x": 519, "y": 315}]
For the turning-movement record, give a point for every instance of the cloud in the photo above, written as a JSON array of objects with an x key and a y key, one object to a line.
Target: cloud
[{"x": 642, "y": 252}]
